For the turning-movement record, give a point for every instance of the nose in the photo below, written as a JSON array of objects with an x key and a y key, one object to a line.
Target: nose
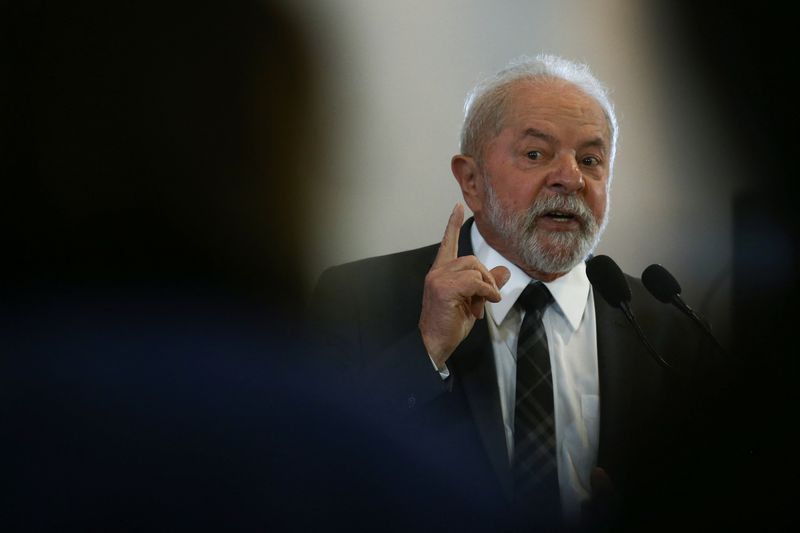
[{"x": 566, "y": 176}]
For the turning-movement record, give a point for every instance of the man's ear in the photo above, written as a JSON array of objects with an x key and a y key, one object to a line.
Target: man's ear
[{"x": 470, "y": 179}]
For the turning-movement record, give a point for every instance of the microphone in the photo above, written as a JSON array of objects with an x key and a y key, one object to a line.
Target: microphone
[
  {"x": 666, "y": 289},
  {"x": 606, "y": 276}
]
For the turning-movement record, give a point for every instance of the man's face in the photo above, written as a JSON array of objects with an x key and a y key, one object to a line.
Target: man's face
[{"x": 545, "y": 178}]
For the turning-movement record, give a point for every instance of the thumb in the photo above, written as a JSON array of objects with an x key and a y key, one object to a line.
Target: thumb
[
  {"x": 501, "y": 275},
  {"x": 602, "y": 487},
  {"x": 601, "y": 511}
]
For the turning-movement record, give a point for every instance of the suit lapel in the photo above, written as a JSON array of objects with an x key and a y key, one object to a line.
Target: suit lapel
[
  {"x": 615, "y": 354},
  {"x": 473, "y": 367}
]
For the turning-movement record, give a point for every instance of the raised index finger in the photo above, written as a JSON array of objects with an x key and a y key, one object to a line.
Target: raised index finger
[{"x": 448, "y": 250}]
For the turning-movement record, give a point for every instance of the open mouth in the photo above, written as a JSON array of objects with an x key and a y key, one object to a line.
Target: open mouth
[{"x": 560, "y": 215}]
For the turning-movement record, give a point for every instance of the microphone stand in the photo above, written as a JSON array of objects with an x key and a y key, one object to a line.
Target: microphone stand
[{"x": 629, "y": 315}]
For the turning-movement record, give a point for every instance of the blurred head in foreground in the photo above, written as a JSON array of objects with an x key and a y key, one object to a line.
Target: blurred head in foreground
[{"x": 170, "y": 161}]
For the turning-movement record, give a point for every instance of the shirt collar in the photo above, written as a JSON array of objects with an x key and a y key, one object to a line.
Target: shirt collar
[{"x": 570, "y": 291}]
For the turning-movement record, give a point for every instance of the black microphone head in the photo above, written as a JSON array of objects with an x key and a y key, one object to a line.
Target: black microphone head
[
  {"x": 660, "y": 283},
  {"x": 608, "y": 279}
]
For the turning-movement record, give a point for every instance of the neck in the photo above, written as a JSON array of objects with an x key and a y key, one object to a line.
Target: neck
[{"x": 541, "y": 276}]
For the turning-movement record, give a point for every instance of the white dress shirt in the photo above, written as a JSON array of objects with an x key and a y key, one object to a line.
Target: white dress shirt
[{"x": 572, "y": 340}]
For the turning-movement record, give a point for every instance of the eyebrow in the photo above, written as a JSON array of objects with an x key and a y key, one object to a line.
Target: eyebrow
[{"x": 539, "y": 134}]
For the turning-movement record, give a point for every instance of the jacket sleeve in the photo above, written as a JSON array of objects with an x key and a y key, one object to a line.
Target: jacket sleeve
[{"x": 371, "y": 344}]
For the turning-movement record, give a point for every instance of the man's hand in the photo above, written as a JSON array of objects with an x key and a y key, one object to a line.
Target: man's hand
[
  {"x": 602, "y": 509},
  {"x": 456, "y": 289}
]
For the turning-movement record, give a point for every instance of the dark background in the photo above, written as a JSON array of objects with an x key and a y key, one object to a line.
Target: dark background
[{"x": 745, "y": 54}]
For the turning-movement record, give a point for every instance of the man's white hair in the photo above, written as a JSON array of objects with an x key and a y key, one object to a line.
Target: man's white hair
[{"x": 484, "y": 110}]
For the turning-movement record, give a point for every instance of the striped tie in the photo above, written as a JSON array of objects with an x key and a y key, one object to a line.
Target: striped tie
[{"x": 534, "y": 463}]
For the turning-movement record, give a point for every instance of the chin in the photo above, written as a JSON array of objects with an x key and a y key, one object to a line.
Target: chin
[{"x": 551, "y": 255}]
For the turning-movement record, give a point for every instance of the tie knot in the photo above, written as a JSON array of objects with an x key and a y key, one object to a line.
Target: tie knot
[{"x": 535, "y": 297}]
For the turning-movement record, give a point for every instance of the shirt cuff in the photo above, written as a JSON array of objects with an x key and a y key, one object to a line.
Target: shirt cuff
[{"x": 444, "y": 372}]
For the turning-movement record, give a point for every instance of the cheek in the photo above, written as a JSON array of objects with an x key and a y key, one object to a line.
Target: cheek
[
  {"x": 597, "y": 200},
  {"x": 523, "y": 194}
]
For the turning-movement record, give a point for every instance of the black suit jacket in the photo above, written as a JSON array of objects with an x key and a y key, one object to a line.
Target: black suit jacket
[{"x": 367, "y": 314}]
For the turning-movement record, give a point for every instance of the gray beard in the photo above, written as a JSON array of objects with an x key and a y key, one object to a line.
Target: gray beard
[{"x": 544, "y": 251}]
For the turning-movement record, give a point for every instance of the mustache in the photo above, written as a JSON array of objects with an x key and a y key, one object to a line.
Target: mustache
[{"x": 572, "y": 204}]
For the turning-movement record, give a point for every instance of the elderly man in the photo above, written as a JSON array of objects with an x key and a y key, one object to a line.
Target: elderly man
[{"x": 497, "y": 331}]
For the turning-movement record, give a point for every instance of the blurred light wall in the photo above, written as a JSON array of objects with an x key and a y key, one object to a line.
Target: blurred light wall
[{"x": 395, "y": 75}]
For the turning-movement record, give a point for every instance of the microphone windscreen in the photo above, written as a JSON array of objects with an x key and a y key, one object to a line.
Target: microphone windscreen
[
  {"x": 606, "y": 276},
  {"x": 660, "y": 283}
]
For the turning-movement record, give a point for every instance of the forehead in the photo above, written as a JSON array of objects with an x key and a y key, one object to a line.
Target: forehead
[{"x": 554, "y": 103}]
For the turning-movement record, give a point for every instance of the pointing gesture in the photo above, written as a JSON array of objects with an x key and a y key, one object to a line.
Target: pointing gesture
[{"x": 456, "y": 289}]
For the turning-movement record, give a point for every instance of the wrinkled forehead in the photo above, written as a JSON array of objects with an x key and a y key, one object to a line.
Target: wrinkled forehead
[{"x": 549, "y": 98}]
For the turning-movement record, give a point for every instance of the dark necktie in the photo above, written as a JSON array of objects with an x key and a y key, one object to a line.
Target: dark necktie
[{"x": 534, "y": 463}]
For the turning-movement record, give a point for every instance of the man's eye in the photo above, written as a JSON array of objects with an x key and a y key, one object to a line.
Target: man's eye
[
  {"x": 534, "y": 155},
  {"x": 590, "y": 161}
]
